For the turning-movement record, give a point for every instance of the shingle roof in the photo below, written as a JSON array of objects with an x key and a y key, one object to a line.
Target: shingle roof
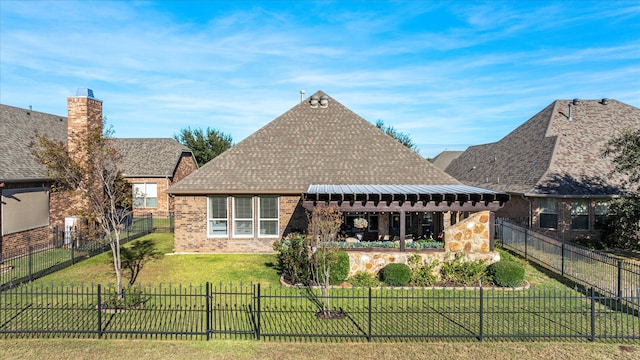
[
  {"x": 445, "y": 158},
  {"x": 548, "y": 154},
  {"x": 307, "y": 145},
  {"x": 18, "y": 129},
  {"x": 156, "y": 157}
]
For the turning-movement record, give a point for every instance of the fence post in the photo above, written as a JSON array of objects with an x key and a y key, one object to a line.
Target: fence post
[
  {"x": 481, "y": 314},
  {"x": 562, "y": 259},
  {"x": 99, "y": 312},
  {"x": 593, "y": 314},
  {"x": 30, "y": 262},
  {"x": 369, "y": 327},
  {"x": 258, "y": 318},
  {"x": 208, "y": 305},
  {"x": 73, "y": 252},
  {"x": 526, "y": 240},
  {"x": 619, "y": 280}
]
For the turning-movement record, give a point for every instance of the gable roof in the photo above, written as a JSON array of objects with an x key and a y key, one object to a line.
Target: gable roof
[
  {"x": 147, "y": 157},
  {"x": 312, "y": 145},
  {"x": 548, "y": 154},
  {"x": 445, "y": 158},
  {"x": 19, "y": 128}
]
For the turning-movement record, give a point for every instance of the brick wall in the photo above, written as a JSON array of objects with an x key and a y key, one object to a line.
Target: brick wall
[
  {"x": 186, "y": 165},
  {"x": 191, "y": 227},
  {"x": 18, "y": 243},
  {"x": 564, "y": 232},
  {"x": 163, "y": 199}
]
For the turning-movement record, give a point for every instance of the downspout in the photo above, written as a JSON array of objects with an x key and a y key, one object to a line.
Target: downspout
[{"x": 530, "y": 210}]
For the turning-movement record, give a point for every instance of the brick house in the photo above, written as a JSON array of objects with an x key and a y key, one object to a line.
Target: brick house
[
  {"x": 29, "y": 210},
  {"x": 317, "y": 152},
  {"x": 553, "y": 168}
]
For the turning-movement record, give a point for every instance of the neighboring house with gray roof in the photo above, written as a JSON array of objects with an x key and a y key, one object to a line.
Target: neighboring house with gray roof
[
  {"x": 152, "y": 166},
  {"x": 252, "y": 194},
  {"x": 553, "y": 168},
  {"x": 29, "y": 210},
  {"x": 442, "y": 160}
]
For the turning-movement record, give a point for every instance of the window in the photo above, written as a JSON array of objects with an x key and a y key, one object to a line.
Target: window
[
  {"x": 548, "y": 213},
  {"x": 580, "y": 214},
  {"x": 243, "y": 216},
  {"x": 217, "y": 217},
  {"x": 268, "y": 211},
  {"x": 24, "y": 209},
  {"x": 145, "y": 196},
  {"x": 601, "y": 213}
]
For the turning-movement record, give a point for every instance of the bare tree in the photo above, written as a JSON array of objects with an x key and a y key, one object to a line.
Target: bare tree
[
  {"x": 324, "y": 224},
  {"x": 90, "y": 175}
]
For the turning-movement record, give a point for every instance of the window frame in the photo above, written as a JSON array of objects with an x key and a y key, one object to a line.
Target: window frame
[
  {"x": 145, "y": 196},
  {"x": 236, "y": 219},
  {"x": 547, "y": 213},
  {"x": 600, "y": 219},
  {"x": 578, "y": 222},
  {"x": 211, "y": 219},
  {"x": 275, "y": 219}
]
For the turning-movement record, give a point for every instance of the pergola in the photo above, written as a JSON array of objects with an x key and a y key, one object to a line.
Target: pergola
[{"x": 403, "y": 198}]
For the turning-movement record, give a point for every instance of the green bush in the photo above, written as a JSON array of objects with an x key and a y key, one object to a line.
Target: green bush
[
  {"x": 294, "y": 260},
  {"x": 364, "y": 279},
  {"x": 422, "y": 272},
  {"x": 462, "y": 271},
  {"x": 339, "y": 269},
  {"x": 395, "y": 274},
  {"x": 506, "y": 273}
]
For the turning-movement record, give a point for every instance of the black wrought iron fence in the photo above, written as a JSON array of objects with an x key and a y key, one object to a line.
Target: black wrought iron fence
[
  {"x": 606, "y": 273},
  {"x": 295, "y": 314},
  {"x": 67, "y": 247}
]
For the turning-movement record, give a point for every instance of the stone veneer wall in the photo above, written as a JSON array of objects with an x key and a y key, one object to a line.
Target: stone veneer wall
[
  {"x": 191, "y": 227},
  {"x": 471, "y": 236}
]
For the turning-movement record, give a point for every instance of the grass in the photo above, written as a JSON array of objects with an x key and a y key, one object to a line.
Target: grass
[
  {"x": 63, "y": 349},
  {"x": 215, "y": 268},
  {"x": 174, "y": 269}
]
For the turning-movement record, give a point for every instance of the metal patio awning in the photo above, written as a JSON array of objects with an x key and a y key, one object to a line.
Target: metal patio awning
[{"x": 404, "y": 197}]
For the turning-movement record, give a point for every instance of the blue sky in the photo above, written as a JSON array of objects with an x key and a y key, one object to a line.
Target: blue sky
[{"x": 449, "y": 73}]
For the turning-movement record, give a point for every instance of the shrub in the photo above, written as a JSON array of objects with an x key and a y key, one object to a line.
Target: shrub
[
  {"x": 364, "y": 279},
  {"x": 395, "y": 274},
  {"x": 339, "y": 267},
  {"x": 294, "y": 258},
  {"x": 131, "y": 298},
  {"x": 506, "y": 273},
  {"x": 422, "y": 272},
  {"x": 462, "y": 271}
]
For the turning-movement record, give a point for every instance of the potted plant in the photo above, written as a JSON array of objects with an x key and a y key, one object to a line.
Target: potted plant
[{"x": 361, "y": 224}]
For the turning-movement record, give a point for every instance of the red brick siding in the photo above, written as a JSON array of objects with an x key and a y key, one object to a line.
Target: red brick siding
[
  {"x": 191, "y": 227},
  {"x": 163, "y": 199}
]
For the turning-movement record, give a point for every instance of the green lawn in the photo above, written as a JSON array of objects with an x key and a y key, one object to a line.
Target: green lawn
[{"x": 175, "y": 269}]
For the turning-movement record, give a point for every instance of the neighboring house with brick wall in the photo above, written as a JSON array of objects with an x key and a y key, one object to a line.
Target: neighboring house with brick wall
[
  {"x": 318, "y": 152},
  {"x": 152, "y": 166},
  {"x": 553, "y": 168},
  {"x": 29, "y": 210}
]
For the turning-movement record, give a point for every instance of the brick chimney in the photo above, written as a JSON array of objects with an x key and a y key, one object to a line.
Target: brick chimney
[{"x": 84, "y": 113}]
